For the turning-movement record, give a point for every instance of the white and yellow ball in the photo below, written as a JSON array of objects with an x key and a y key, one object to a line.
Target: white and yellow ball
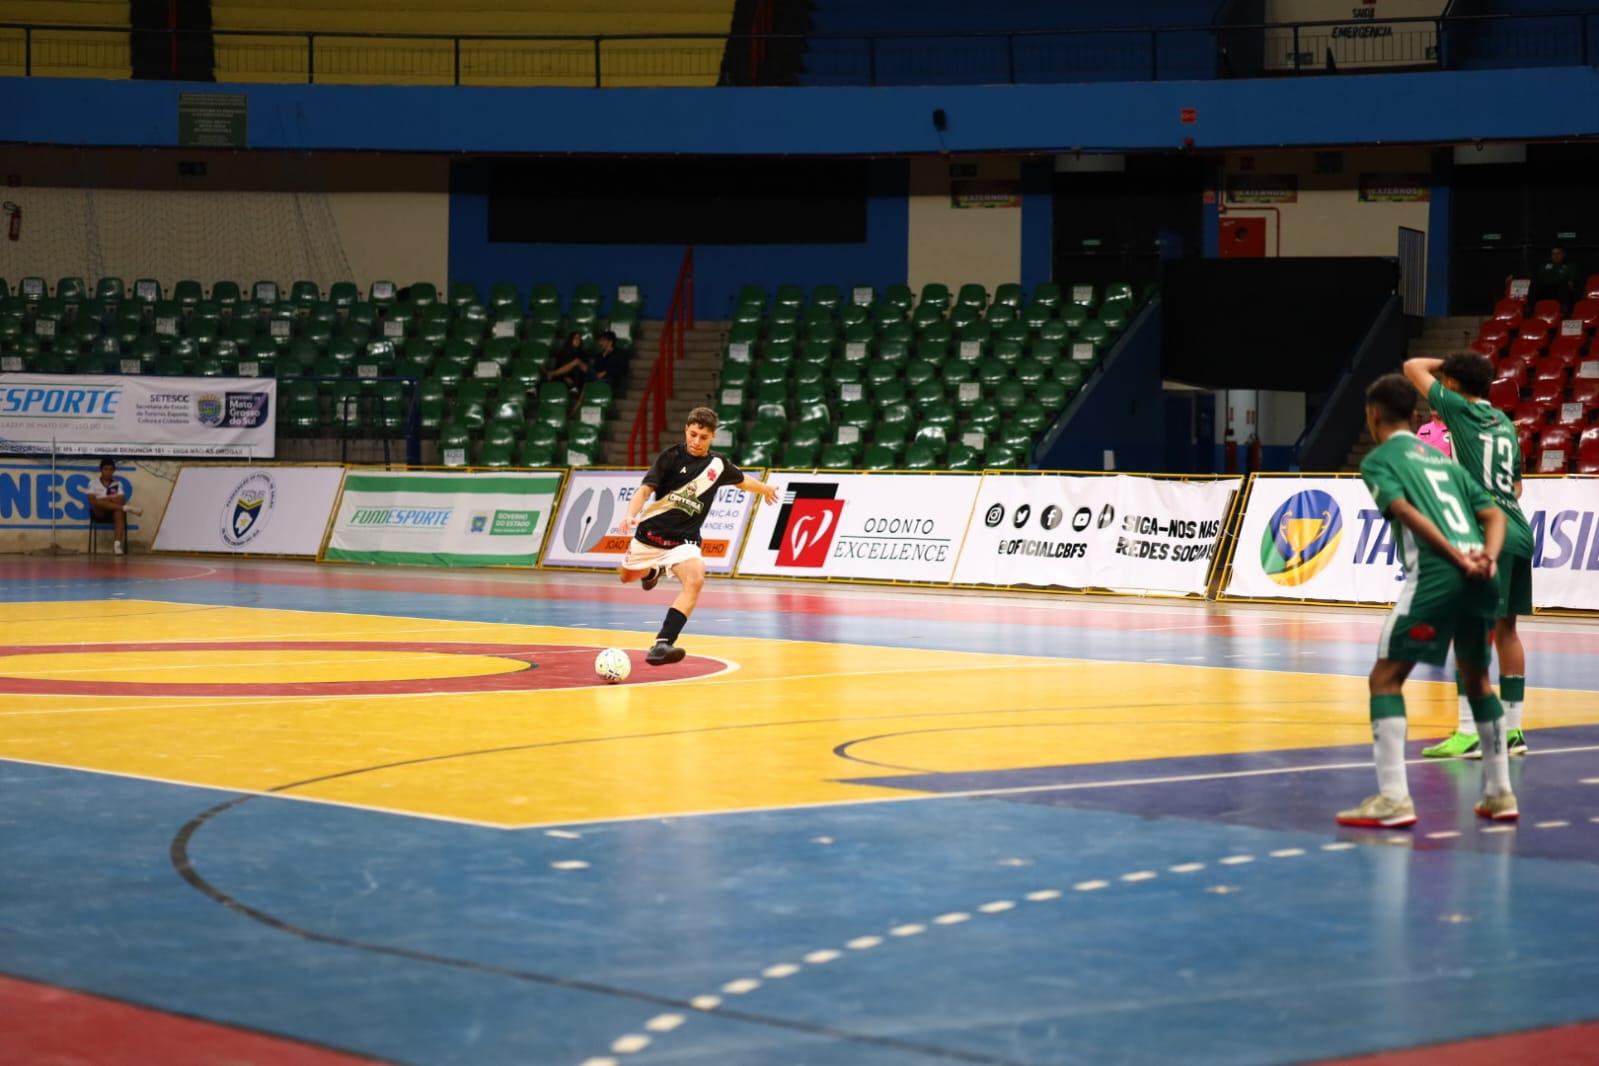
[{"x": 613, "y": 665}]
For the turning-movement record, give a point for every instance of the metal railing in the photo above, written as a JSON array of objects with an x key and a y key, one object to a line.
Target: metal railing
[
  {"x": 899, "y": 58},
  {"x": 644, "y": 439}
]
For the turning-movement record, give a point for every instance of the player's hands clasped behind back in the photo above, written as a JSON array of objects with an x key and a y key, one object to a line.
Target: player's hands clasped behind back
[{"x": 1479, "y": 565}]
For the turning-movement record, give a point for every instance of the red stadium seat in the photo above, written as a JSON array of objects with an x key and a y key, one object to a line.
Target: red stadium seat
[
  {"x": 1591, "y": 290},
  {"x": 1555, "y": 437},
  {"x": 1533, "y": 416},
  {"x": 1517, "y": 368},
  {"x": 1585, "y": 390},
  {"x": 1553, "y": 461},
  {"x": 1494, "y": 332},
  {"x": 1566, "y": 349},
  {"x": 1587, "y": 312},
  {"x": 1574, "y": 416},
  {"x": 1525, "y": 435},
  {"x": 1522, "y": 348},
  {"x": 1550, "y": 368},
  {"x": 1546, "y": 393},
  {"x": 1508, "y": 311},
  {"x": 1488, "y": 348},
  {"x": 1504, "y": 394},
  {"x": 1588, "y": 452},
  {"x": 1548, "y": 311},
  {"x": 1534, "y": 329}
]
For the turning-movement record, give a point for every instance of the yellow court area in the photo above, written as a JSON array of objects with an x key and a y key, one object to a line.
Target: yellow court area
[{"x": 762, "y": 734}]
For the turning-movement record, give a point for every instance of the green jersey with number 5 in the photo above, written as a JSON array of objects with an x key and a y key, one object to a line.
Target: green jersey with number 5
[
  {"x": 1402, "y": 467},
  {"x": 1485, "y": 444}
]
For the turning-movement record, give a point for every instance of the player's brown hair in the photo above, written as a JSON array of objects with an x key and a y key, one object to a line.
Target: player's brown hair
[
  {"x": 1393, "y": 402},
  {"x": 703, "y": 416},
  {"x": 1471, "y": 370}
]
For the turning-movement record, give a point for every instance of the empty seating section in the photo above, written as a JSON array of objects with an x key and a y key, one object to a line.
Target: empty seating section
[
  {"x": 343, "y": 362},
  {"x": 950, "y": 378},
  {"x": 66, "y": 53},
  {"x": 430, "y": 57},
  {"x": 1546, "y": 376}
]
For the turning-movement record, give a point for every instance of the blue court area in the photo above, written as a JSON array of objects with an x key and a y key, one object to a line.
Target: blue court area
[{"x": 1083, "y": 907}]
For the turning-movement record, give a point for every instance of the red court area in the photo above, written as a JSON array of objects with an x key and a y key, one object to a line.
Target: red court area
[
  {"x": 41, "y": 1024},
  {"x": 543, "y": 667}
]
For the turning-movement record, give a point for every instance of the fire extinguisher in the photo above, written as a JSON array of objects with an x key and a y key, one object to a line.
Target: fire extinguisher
[
  {"x": 1230, "y": 451},
  {"x": 15, "y": 211}
]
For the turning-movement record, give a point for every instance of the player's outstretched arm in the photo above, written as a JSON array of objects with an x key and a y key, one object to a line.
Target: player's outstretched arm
[
  {"x": 766, "y": 492},
  {"x": 1420, "y": 372},
  {"x": 1430, "y": 535},
  {"x": 629, "y": 521}
]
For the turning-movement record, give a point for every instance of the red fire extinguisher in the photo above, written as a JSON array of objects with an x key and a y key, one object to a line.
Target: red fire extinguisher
[
  {"x": 1229, "y": 451},
  {"x": 15, "y": 211}
]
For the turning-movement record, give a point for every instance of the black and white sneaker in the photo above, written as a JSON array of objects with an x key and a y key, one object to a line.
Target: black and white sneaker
[
  {"x": 664, "y": 654},
  {"x": 652, "y": 578}
]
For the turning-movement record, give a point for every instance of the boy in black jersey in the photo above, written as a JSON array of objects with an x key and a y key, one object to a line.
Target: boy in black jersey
[{"x": 666, "y": 536}]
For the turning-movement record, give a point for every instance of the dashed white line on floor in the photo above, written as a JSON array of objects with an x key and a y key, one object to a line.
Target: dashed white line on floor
[
  {"x": 826, "y": 955},
  {"x": 563, "y": 834},
  {"x": 1287, "y": 853},
  {"x": 1443, "y": 834},
  {"x": 954, "y": 918},
  {"x": 569, "y": 864},
  {"x": 1140, "y": 875},
  {"x": 998, "y": 906},
  {"x": 861, "y": 943},
  {"x": 780, "y": 971},
  {"x": 1187, "y": 868},
  {"x": 741, "y": 986},
  {"x": 1044, "y": 895},
  {"x": 1498, "y": 829},
  {"x": 1338, "y": 845},
  {"x": 632, "y": 1042},
  {"x": 705, "y": 1002},
  {"x": 908, "y": 929},
  {"x": 1090, "y": 886},
  {"x": 664, "y": 1023},
  {"x": 1237, "y": 860},
  {"x": 1550, "y": 825}
]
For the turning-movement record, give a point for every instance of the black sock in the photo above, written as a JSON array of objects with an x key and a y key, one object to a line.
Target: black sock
[{"x": 675, "y": 621}]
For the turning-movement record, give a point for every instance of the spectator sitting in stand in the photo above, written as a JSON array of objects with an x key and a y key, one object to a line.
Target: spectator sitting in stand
[
  {"x": 569, "y": 364},
  {"x": 108, "y": 504},
  {"x": 1559, "y": 279},
  {"x": 609, "y": 363}
]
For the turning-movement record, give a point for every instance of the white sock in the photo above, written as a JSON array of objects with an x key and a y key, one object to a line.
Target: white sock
[
  {"x": 1495, "y": 762},
  {"x": 1467, "y": 724},
  {"x": 1389, "y": 735},
  {"x": 1512, "y": 715}
]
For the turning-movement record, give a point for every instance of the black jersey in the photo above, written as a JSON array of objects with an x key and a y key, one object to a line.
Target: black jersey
[{"x": 685, "y": 485}]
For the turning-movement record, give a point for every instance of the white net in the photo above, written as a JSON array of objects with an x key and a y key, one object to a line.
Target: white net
[{"x": 172, "y": 235}]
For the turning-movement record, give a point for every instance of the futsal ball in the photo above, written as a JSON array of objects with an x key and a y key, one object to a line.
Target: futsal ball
[{"x": 613, "y": 665}]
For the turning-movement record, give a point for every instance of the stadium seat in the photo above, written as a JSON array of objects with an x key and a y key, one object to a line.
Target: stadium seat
[
  {"x": 1508, "y": 311},
  {"x": 1566, "y": 349},
  {"x": 1588, "y": 452},
  {"x": 1547, "y": 393},
  {"x": 1547, "y": 311}
]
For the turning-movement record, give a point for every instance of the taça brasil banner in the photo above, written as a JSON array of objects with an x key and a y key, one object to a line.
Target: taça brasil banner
[
  {"x": 874, "y": 527},
  {"x": 44, "y": 504},
  {"x": 250, "y": 510},
  {"x": 586, "y": 535},
  {"x": 1118, "y": 532},
  {"x": 443, "y": 518},
  {"x": 1322, "y": 539},
  {"x": 222, "y": 418}
]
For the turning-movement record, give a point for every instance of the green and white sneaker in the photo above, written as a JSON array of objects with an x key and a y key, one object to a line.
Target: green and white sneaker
[
  {"x": 1516, "y": 743},
  {"x": 1380, "y": 812},
  {"x": 1457, "y": 746}
]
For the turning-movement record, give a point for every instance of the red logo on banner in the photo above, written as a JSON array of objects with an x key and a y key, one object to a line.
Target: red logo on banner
[{"x": 811, "y": 526}]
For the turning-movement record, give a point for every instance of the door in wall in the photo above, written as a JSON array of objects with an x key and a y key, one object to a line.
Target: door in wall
[{"x": 1243, "y": 238}]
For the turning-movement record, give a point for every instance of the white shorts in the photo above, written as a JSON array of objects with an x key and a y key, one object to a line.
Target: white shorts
[{"x": 641, "y": 556}]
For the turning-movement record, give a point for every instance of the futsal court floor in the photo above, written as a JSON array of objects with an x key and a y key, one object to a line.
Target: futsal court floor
[{"x": 276, "y": 813}]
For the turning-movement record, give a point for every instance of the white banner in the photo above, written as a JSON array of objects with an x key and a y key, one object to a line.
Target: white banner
[
  {"x": 876, "y": 527},
  {"x": 223, "y": 418},
  {"x": 1121, "y": 532},
  {"x": 250, "y": 510},
  {"x": 429, "y": 518},
  {"x": 596, "y": 500},
  {"x": 45, "y": 505},
  {"x": 1322, "y": 538}
]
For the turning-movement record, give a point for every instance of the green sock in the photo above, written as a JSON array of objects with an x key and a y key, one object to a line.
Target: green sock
[
  {"x": 1490, "y": 717},
  {"x": 1464, "y": 722}
]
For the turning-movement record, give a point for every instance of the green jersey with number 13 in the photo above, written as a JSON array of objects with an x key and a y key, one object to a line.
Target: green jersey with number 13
[{"x": 1485, "y": 444}]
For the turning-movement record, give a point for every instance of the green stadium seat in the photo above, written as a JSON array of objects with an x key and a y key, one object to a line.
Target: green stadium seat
[
  {"x": 71, "y": 290},
  {"x": 1007, "y": 353},
  {"x": 931, "y": 436},
  {"x": 1096, "y": 334},
  {"x": 1000, "y": 315},
  {"x": 430, "y": 404},
  {"x": 935, "y": 294},
  {"x": 1009, "y": 294},
  {"x": 1051, "y": 395},
  {"x": 1074, "y": 317},
  {"x": 1000, "y": 456},
  {"x": 787, "y": 295},
  {"x": 894, "y": 416},
  {"x": 890, "y": 392},
  {"x": 543, "y": 295},
  {"x": 878, "y": 457},
  {"x": 990, "y": 372},
  {"x": 854, "y": 315},
  {"x": 925, "y": 315},
  {"x": 504, "y": 295},
  {"x": 827, "y": 297},
  {"x": 530, "y": 454},
  {"x": 1120, "y": 291},
  {"x": 1036, "y": 315},
  {"x": 919, "y": 456},
  {"x": 898, "y": 297},
  {"x": 952, "y": 372},
  {"x": 1031, "y": 417},
  {"x": 1113, "y": 317},
  {"x": 1046, "y": 352},
  {"x": 1010, "y": 395},
  {"x": 543, "y": 435},
  {"x": 838, "y": 457},
  {"x": 1048, "y": 294},
  {"x": 799, "y": 456},
  {"x": 599, "y": 394},
  {"x": 963, "y": 316},
  {"x": 422, "y": 294},
  {"x": 918, "y": 371},
  {"x": 972, "y": 295},
  {"x": 1031, "y": 372},
  {"x": 754, "y": 455},
  {"x": 960, "y": 457}
]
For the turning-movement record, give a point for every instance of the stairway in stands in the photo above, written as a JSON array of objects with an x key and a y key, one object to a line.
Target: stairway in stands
[
  {"x": 695, "y": 384},
  {"x": 1439, "y": 337}
]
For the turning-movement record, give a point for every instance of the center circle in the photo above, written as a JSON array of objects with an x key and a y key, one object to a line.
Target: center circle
[{"x": 249, "y": 667}]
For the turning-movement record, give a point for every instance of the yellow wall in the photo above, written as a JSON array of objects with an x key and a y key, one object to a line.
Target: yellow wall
[
  {"x": 1328, "y": 218},
  {"x": 959, "y": 245}
]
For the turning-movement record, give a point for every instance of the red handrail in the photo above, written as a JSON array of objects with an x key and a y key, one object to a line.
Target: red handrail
[
  {"x": 645, "y": 438},
  {"x": 761, "y": 24}
]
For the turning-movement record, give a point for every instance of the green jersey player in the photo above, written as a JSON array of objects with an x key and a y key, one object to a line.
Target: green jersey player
[
  {"x": 1450, "y": 534},
  {"x": 1485, "y": 444}
]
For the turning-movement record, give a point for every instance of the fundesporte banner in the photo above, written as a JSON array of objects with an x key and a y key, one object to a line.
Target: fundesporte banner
[
  {"x": 1119, "y": 532},
  {"x": 250, "y": 510},
  {"x": 1322, "y": 539},
  {"x": 443, "y": 518},
  {"x": 586, "y": 535},
  {"x": 220, "y": 418},
  {"x": 872, "y": 527}
]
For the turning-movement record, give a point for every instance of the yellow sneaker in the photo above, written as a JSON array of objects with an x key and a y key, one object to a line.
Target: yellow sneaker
[
  {"x": 1499, "y": 808},
  {"x": 1380, "y": 812}
]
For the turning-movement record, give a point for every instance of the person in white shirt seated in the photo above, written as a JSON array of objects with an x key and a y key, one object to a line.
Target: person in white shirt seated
[{"x": 108, "y": 504}]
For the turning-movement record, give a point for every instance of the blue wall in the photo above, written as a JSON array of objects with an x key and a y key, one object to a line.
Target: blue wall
[
  {"x": 1310, "y": 111},
  {"x": 719, "y": 270},
  {"x": 1121, "y": 408}
]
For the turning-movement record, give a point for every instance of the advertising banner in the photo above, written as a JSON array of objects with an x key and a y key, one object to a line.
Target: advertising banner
[
  {"x": 1322, "y": 538},
  {"x": 250, "y": 510},
  {"x": 442, "y": 518},
  {"x": 221, "y": 418},
  {"x": 1121, "y": 532},
  {"x": 45, "y": 505},
  {"x": 875, "y": 527},
  {"x": 596, "y": 500}
]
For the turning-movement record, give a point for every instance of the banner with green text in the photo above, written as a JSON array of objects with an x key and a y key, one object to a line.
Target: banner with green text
[{"x": 442, "y": 518}]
